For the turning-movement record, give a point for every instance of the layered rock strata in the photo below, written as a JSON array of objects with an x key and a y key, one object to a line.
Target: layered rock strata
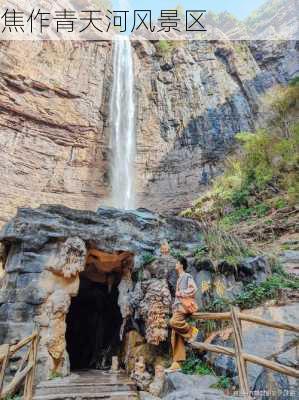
[{"x": 190, "y": 101}]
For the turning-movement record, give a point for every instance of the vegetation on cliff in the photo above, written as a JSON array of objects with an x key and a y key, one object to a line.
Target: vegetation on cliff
[{"x": 262, "y": 179}]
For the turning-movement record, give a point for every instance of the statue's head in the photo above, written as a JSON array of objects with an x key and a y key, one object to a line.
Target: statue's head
[
  {"x": 164, "y": 249},
  {"x": 159, "y": 371},
  {"x": 140, "y": 365}
]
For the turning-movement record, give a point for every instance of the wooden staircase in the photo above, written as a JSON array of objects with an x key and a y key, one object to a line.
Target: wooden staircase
[{"x": 89, "y": 384}]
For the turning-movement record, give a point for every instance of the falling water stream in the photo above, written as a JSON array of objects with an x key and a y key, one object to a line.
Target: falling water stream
[{"x": 122, "y": 112}]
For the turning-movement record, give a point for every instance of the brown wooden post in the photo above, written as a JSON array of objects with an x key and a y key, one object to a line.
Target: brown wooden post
[
  {"x": 5, "y": 352},
  {"x": 28, "y": 390},
  {"x": 241, "y": 363}
]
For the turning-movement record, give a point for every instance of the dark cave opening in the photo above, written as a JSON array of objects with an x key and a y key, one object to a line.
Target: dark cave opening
[{"x": 93, "y": 326}]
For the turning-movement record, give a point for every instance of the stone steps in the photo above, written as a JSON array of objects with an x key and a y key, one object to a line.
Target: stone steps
[{"x": 91, "y": 385}]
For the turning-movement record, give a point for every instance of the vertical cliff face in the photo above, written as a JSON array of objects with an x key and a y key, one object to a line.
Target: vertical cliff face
[
  {"x": 53, "y": 104},
  {"x": 191, "y": 100}
]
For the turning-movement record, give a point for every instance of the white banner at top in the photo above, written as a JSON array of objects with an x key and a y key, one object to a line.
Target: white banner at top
[{"x": 104, "y": 20}]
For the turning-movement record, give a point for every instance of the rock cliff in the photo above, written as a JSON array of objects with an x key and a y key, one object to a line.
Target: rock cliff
[
  {"x": 191, "y": 99},
  {"x": 63, "y": 265},
  {"x": 53, "y": 105},
  {"x": 46, "y": 252}
]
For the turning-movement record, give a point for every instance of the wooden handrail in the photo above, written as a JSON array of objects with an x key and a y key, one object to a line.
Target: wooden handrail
[
  {"x": 247, "y": 317},
  {"x": 242, "y": 357},
  {"x": 272, "y": 324},
  {"x": 228, "y": 351},
  {"x": 212, "y": 316},
  {"x": 241, "y": 363},
  {"x": 26, "y": 370},
  {"x": 16, "y": 347},
  {"x": 275, "y": 366},
  {"x": 16, "y": 382},
  {"x": 5, "y": 349}
]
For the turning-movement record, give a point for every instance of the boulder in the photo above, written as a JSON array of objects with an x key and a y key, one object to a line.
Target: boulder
[
  {"x": 290, "y": 358},
  {"x": 204, "y": 264},
  {"x": 226, "y": 287},
  {"x": 147, "y": 396},
  {"x": 203, "y": 280},
  {"x": 266, "y": 342},
  {"x": 290, "y": 261},
  {"x": 192, "y": 387},
  {"x": 274, "y": 383},
  {"x": 254, "y": 268}
]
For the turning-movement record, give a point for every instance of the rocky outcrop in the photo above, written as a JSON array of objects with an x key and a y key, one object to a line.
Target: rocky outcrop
[
  {"x": 190, "y": 102},
  {"x": 290, "y": 261},
  {"x": 49, "y": 253},
  {"x": 109, "y": 229},
  {"x": 48, "y": 249}
]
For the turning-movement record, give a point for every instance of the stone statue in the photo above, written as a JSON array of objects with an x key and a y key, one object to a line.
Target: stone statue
[
  {"x": 140, "y": 375},
  {"x": 151, "y": 298},
  {"x": 164, "y": 267},
  {"x": 70, "y": 260},
  {"x": 155, "y": 310},
  {"x": 157, "y": 386},
  {"x": 125, "y": 287}
]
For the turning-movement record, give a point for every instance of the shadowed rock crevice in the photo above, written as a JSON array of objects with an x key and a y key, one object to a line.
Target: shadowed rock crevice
[{"x": 93, "y": 326}]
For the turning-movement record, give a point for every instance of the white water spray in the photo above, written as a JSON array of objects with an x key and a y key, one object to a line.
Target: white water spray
[{"x": 122, "y": 115}]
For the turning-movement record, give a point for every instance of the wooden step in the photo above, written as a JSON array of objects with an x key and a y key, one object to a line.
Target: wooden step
[
  {"x": 83, "y": 389},
  {"x": 90, "y": 385},
  {"x": 90, "y": 396}
]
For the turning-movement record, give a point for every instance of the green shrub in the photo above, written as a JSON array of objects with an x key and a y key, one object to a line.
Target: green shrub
[
  {"x": 147, "y": 258},
  {"x": 280, "y": 203},
  {"x": 164, "y": 47},
  {"x": 243, "y": 214},
  {"x": 223, "y": 383},
  {"x": 294, "y": 81},
  {"x": 254, "y": 295},
  {"x": 266, "y": 166},
  {"x": 200, "y": 253},
  {"x": 177, "y": 253},
  {"x": 194, "y": 365},
  {"x": 222, "y": 245},
  {"x": 55, "y": 375}
]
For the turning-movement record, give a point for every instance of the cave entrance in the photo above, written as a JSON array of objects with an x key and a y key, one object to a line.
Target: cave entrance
[{"x": 94, "y": 319}]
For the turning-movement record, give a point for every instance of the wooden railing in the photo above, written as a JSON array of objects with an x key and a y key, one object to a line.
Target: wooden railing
[
  {"x": 26, "y": 370},
  {"x": 235, "y": 316}
]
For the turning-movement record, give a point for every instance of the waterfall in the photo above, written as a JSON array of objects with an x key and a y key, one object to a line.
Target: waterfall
[{"x": 122, "y": 116}]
